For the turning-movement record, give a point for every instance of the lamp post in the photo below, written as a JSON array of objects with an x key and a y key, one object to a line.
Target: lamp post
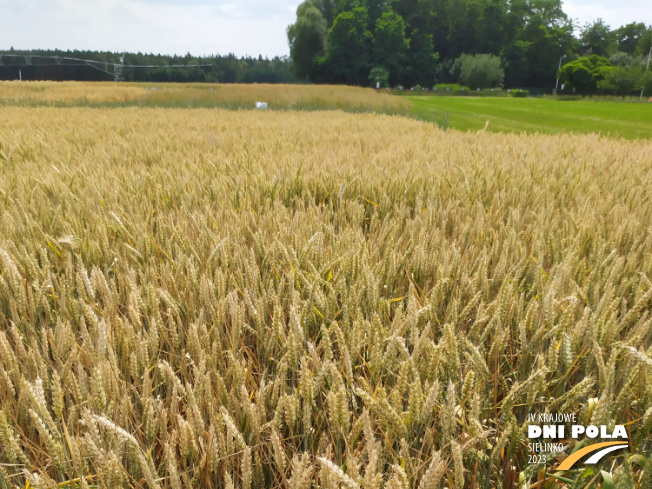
[
  {"x": 557, "y": 84},
  {"x": 640, "y": 99}
]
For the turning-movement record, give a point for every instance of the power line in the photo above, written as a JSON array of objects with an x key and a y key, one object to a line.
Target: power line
[{"x": 117, "y": 67}]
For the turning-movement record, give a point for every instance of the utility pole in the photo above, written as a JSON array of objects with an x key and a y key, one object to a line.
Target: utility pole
[
  {"x": 640, "y": 99},
  {"x": 117, "y": 69},
  {"x": 557, "y": 84}
]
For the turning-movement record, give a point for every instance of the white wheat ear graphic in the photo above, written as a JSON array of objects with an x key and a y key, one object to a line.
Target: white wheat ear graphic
[{"x": 596, "y": 457}]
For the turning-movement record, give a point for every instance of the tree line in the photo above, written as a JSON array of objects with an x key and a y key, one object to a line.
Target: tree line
[
  {"x": 473, "y": 43},
  {"x": 43, "y": 64},
  {"x": 511, "y": 43}
]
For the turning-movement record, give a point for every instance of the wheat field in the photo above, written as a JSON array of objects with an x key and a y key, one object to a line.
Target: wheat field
[
  {"x": 200, "y": 95},
  {"x": 296, "y": 300}
]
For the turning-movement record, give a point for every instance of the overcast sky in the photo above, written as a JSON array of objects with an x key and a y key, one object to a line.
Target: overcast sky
[{"x": 243, "y": 27}]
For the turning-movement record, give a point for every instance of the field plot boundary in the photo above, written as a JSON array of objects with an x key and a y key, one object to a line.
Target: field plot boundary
[{"x": 176, "y": 95}]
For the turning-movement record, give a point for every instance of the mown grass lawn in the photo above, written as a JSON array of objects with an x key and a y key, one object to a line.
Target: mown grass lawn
[{"x": 620, "y": 119}]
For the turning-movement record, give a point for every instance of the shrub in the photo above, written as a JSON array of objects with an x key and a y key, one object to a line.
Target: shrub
[
  {"x": 480, "y": 70},
  {"x": 622, "y": 81},
  {"x": 453, "y": 87},
  {"x": 584, "y": 74},
  {"x": 379, "y": 75}
]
